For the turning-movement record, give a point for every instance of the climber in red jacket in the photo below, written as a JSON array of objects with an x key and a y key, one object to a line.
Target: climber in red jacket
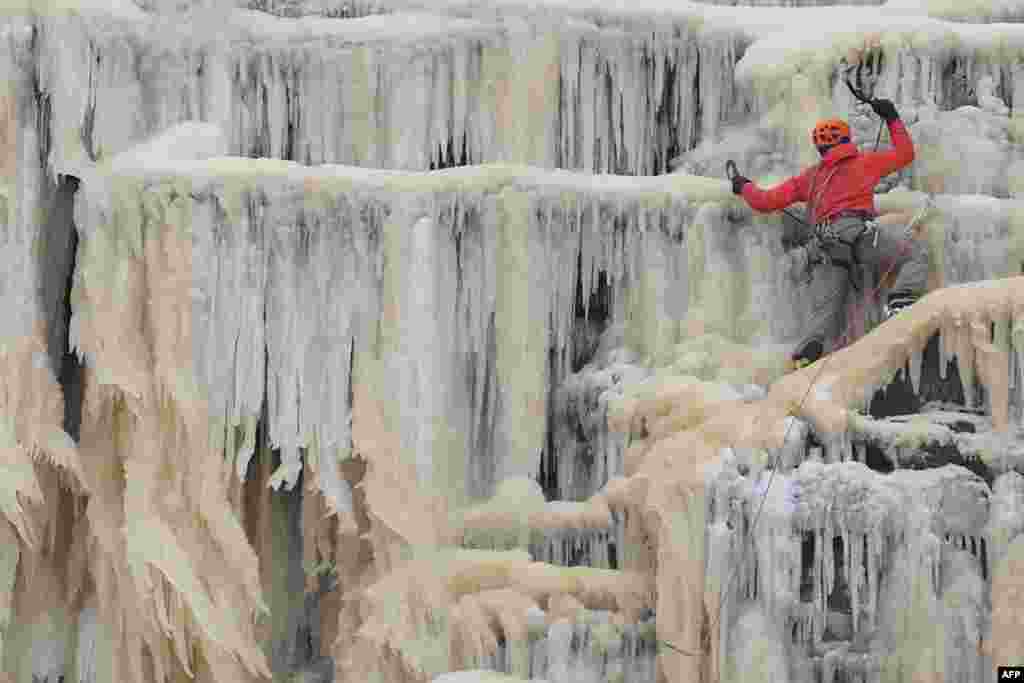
[{"x": 839, "y": 191}]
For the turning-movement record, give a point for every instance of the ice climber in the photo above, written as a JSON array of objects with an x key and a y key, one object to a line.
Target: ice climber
[{"x": 841, "y": 232}]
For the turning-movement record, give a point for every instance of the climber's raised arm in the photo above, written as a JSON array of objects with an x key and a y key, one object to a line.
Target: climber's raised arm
[{"x": 889, "y": 161}]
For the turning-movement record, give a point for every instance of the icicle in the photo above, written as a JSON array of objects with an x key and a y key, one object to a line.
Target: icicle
[
  {"x": 857, "y": 582},
  {"x": 587, "y": 93},
  {"x": 829, "y": 665},
  {"x": 965, "y": 361},
  {"x": 915, "y": 371},
  {"x": 86, "y": 652},
  {"x": 945, "y": 341},
  {"x": 823, "y": 582},
  {"x": 871, "y": 561},
  {"x": 850, "y": 573}
]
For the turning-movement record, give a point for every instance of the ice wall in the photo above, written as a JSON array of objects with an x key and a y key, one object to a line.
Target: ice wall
[
  {"x": 258, "y": 235},
  {"x": 247, "y": 325}
]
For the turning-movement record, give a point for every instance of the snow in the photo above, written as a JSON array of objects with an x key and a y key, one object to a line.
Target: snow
[
  {"x": 186, "y": 141},
  {"x": 975, "y": 11},
  {"x": 398, "y": 27},
  {"x": 481, "y": 676},
  {"x": 822, "y": 29},
  {"x": 117, "y": 9}
]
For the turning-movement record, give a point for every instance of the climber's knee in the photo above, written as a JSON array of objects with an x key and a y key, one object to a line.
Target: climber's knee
[{"x": 913, "y": 270}]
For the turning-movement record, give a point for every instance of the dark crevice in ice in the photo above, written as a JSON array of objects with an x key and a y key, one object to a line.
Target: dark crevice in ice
[
  {"x": 56, "y": 256},
  {"x": 273, "y": 524},
  {"x": 666, "y": 120},
  {"x": 839, "y": 599},
  {"x": 698, "y": 110},
  {"x": 485, "y": 409},
  {"x": 547, "y": 477},
  {"x": 590, "y": 317},
  {"x": 807, "y": 568},
  {"x": 899, "y": 398},
  {"x": 938, "y": 455},
  {"x": 957, "y": 84},
  {"x": 448, "y": 157},
  {"x": 877, "y": 460}
]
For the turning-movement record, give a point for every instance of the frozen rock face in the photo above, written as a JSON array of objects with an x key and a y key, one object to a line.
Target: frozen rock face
[{"x": 373, "y": 341}]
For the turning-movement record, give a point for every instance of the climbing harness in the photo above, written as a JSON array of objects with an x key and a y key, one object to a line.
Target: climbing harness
[{"x": 828, "y": 236}]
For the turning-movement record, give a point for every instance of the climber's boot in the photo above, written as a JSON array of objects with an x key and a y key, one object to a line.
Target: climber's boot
[
  {"x": 808, "y": 352},
  {"x": 897, "y": 302}
]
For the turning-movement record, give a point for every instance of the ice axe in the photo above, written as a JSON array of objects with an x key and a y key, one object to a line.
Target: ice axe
[
  {"x": 856, "y": 91},
  {"x": 859, "y": 94}
]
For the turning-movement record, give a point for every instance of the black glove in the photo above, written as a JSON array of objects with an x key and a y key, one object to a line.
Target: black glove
[
  {"x": 738, "y": 182},
  {"x": 885, "y": 109}
]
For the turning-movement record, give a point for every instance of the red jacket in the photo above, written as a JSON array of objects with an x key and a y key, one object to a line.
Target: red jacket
[{"x": 838, "y": 184}]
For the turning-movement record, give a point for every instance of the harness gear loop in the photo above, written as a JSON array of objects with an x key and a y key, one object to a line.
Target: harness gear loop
[{"x": 826, "y": 235}]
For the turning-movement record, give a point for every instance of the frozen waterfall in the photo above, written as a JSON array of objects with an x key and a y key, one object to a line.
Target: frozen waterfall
[{"x": 423, "y": 341}]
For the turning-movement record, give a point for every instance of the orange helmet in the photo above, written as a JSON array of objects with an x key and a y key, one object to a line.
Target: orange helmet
[{"x": 829, "y": 132}]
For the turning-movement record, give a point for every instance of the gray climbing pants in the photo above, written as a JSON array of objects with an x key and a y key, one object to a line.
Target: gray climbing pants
[{"x": 884, "y": 248}]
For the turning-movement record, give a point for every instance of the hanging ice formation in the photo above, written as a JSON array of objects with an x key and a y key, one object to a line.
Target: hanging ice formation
[{"x": 373, "y": 341}]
